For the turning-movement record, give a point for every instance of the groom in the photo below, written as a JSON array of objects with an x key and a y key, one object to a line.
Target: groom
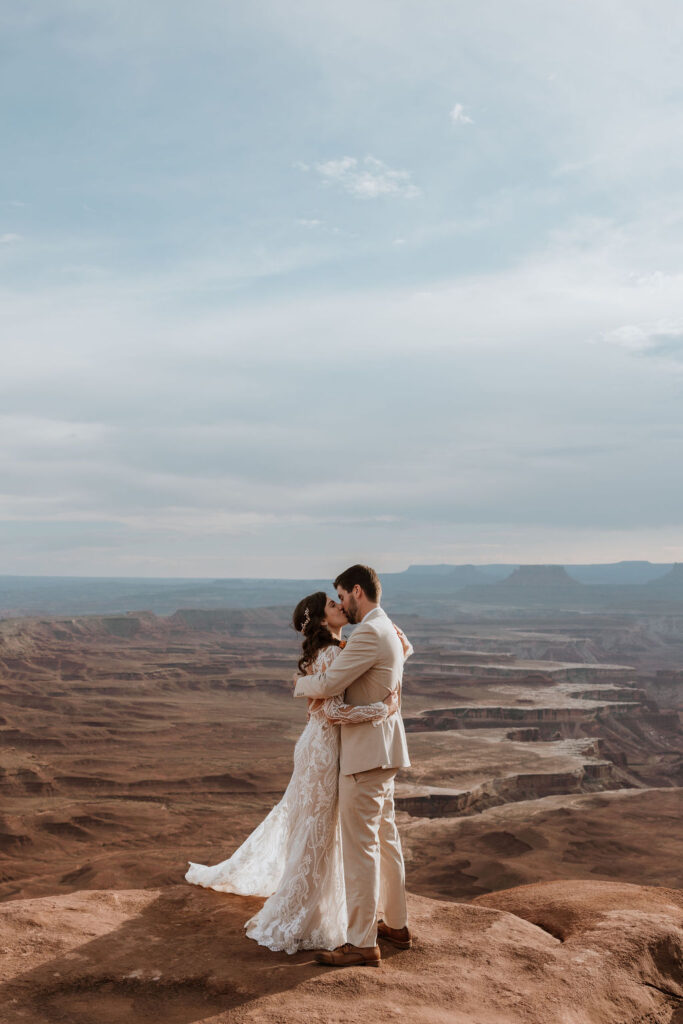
[{"x": 369, "y": 667}]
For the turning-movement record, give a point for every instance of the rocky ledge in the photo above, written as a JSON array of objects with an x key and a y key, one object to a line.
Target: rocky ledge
[{"x": 551, "y": 953}]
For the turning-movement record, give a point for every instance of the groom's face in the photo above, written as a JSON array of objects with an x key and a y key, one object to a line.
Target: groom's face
[{"x": 348, "y": 603}]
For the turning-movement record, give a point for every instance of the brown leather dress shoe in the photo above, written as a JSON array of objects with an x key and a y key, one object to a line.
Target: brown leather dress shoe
[
  {"x": 350, "y": 956},
  {"x": 400, "y": 937}
]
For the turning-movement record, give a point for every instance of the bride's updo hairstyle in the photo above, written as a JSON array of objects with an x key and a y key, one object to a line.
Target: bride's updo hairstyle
[{"x": 308, "y": 619}]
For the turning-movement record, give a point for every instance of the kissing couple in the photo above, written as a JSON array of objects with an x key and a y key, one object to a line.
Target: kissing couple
[{"x": 328, "y": 855}]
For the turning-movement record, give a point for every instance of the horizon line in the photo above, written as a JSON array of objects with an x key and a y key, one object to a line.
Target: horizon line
[{"x": 421, "y": 565}]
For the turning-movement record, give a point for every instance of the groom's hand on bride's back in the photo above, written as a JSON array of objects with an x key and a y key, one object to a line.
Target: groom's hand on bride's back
[{"x": 297, "y": 676}]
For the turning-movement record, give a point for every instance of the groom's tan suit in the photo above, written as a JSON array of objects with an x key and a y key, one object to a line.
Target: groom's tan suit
[{"x": 369, "y": 667}]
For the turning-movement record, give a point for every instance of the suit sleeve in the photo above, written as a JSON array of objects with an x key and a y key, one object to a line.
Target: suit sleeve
[{"x": 357, "y": 657}]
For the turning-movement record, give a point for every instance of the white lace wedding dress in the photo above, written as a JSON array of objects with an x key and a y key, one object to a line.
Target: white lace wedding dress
[{"x": 294, "y": 856}]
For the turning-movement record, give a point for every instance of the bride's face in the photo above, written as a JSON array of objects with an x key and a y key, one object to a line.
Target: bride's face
[{"x": 335, "y": 616}]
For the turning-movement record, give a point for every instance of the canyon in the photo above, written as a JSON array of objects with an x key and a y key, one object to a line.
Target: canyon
[{"x": 546, "y": 787}]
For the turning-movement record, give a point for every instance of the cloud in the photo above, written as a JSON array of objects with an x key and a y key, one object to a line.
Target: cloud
[
  {"x": 369, "y": 178},
  {"x": 577, "y": 166},
  {"x": 458, "y": 115},
  {"x": 659, "y": 339},
  {"x": 9, "y": 237}
]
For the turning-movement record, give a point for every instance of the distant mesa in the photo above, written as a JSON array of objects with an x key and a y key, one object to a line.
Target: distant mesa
[
  {"x": 530, "y": 585},
  {"x": 624, "y": 572},
  {"x": 540, "y": 576},
  {"x": 674, "y": 575},
  {"x": 436, "y": 591},
  {"x": 670, "y": 585}
]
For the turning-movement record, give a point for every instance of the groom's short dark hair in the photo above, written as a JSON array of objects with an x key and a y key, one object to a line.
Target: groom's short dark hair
[{"x": 363, "y": 576}]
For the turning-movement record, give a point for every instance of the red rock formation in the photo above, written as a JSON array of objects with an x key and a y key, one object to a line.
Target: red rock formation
[{"x": 593, "y": 952}]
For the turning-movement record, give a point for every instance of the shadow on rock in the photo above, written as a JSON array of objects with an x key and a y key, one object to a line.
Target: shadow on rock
[{"x": 178, "y": 957}]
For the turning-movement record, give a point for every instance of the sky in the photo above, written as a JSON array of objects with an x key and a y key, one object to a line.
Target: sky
[{"x": 286, "y": 286}]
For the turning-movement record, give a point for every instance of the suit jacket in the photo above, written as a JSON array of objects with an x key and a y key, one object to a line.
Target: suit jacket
[{"x": 369, "y": 667}]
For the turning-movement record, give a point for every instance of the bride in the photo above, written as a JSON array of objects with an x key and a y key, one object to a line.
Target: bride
[{"x": 294, "y": 856}]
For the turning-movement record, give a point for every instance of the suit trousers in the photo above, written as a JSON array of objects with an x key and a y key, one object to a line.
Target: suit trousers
[{"x": 373, "y": 862}]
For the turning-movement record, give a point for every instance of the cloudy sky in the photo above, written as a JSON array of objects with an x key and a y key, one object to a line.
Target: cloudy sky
[{"x": 286, "y": 285}]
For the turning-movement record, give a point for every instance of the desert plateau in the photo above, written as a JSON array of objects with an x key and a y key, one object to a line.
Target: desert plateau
[{"x": 540, "y": 820}]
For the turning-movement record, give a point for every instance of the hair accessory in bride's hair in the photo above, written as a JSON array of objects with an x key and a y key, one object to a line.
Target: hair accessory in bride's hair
[{"x": 307, "y": 619}]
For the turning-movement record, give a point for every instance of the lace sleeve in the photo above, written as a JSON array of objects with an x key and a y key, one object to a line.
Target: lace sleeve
[
  {"x": 323, "y": 659},
  {"x": 335, "y": 710}
]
